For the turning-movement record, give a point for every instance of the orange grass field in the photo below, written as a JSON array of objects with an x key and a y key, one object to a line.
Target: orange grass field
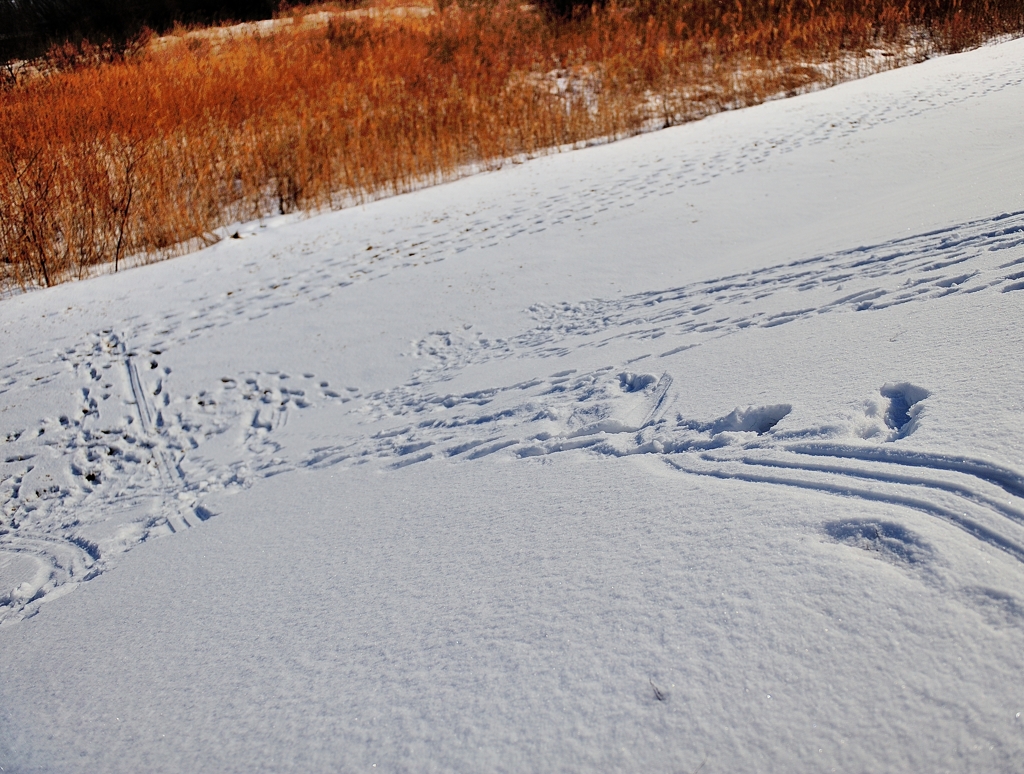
[{"x": 114, "y": 158}]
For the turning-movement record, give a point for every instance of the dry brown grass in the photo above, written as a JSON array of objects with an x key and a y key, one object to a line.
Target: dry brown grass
[{"x": 107, "y": 158}]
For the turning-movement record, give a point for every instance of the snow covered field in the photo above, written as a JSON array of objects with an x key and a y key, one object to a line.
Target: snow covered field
[{"x": 702, "y": 450}]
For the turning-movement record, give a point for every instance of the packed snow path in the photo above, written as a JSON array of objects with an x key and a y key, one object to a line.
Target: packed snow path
[{"x": 722, "y": 388}]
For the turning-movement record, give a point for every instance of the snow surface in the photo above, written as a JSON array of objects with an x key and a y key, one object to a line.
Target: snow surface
[{"x": 701, "y": 450}]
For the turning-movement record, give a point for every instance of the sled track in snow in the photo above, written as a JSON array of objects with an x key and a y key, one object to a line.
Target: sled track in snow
[{"x": 964, "y": 504}]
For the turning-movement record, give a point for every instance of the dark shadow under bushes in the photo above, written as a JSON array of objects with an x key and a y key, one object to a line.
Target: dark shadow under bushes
[{"x": 28, "y": 28}]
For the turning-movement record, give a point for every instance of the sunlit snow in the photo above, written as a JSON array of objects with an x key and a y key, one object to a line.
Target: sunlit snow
[{"x": 702, "y": 450}]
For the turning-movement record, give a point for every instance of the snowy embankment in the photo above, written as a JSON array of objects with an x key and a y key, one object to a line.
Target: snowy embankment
[{"x": 701, "y": 449}]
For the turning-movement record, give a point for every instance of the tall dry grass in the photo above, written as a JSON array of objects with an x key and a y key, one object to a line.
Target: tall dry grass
[{"x": 112, "y": 158}]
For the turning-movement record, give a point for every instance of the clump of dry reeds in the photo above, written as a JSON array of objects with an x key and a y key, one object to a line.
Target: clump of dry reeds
[{"x": 105, "y": 159}]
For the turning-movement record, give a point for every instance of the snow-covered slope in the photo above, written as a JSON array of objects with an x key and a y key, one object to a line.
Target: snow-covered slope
[{"x": 698, "y": 449}]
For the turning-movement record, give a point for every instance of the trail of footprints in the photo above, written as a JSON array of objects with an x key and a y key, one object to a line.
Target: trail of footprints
[
  {"x": 970, "y": 258},
  {"x": 621, "y": 410},
  {"x": 335, "y": 260},
  {"x": 134, "y": 458},
  {"x": 126, "y": 464}
]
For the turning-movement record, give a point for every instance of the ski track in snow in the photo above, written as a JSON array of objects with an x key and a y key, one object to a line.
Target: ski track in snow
[{"x": 131, "y": 462}]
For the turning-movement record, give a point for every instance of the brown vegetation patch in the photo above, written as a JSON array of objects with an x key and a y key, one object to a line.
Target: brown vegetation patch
[{"x": 113, "y": 156}]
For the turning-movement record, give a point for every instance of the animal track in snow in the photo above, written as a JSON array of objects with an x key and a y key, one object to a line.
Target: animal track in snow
[
  {"x": 134, "y": 456},
  {"x": 911, "y": 270},
  {"x": 552, "y": 411},
  {"x": 129, "y": 463}
]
